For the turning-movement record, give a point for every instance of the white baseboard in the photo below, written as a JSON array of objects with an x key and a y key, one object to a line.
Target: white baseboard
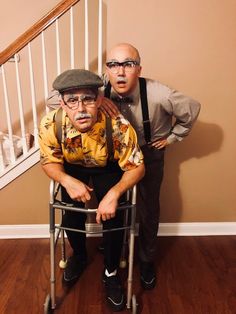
[
  {"x": 197, "y": 229},
  {"x": 166, "y": 229}
]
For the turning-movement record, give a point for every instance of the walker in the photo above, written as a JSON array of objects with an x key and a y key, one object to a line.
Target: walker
[{"x": 57, "y": 231}]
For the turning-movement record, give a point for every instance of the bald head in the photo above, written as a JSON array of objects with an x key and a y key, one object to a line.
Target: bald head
[
  {"x": 125, "y": 48},
  {"x": 123, "y": 68}
]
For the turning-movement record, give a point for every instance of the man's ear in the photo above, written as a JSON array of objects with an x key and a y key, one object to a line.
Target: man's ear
[{"x": 140, "y": 70}]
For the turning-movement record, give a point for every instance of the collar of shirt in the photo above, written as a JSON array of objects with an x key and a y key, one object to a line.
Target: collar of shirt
[
  {"x": 123, "y": 100},
  {"x": 134, "y": 97}
]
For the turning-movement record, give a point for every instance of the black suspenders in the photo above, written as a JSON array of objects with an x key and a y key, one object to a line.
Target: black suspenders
[
  {"x": 145, "y": 113},
  {"x": 144, "y": 104},
  {"x": 107, "y": 91},
  {"x": 58, "y": 124}
]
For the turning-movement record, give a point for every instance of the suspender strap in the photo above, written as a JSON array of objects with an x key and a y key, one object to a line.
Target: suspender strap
[
  {"x": 144, "y": 104},
  {"x": 107, "y": 91},
  {"x": 109, "y": 139},
  {"x": 58, "y": 123}
]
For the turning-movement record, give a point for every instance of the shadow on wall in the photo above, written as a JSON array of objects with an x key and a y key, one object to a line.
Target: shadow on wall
[{"x": 205, "y": 139}]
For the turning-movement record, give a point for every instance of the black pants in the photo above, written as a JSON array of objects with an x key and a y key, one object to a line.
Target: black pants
[
  {"x": 148, "y": 202},
  {"x": 103, "y": 179}
]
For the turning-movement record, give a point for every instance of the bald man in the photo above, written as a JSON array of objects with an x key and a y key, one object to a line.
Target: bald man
[{"x": 151, "y": 108}]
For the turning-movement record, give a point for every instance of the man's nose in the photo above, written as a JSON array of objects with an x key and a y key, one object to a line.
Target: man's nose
[
  {"x": 121, "y": 70},
  {"x": 81, "y": 106}
]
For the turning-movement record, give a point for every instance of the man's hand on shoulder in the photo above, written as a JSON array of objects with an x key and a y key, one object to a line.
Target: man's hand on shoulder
[{"x": 108, "y": 108}]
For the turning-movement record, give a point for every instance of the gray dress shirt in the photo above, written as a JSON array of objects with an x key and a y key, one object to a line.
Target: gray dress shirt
[{"x": 171, "y": 113}]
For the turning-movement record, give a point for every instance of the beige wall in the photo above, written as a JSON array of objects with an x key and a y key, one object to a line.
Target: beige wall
[
  {"x": 25, "y": 200},
  {"x": 189, "y": 45},
  {"x": 17, "y": 16}
]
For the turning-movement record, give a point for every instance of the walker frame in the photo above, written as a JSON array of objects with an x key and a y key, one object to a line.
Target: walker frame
[{"x": 129, "y": 232}]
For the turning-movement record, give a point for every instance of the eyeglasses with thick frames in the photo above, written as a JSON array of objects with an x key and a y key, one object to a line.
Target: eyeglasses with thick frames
[
  {"x": 128, "y": 66},
  {"x": 73, "y": 102}
]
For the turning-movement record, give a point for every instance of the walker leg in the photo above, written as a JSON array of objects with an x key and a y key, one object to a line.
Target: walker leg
[
  {"x": 123, "y": 262},
  {"x": 52, "y": 267},
  {"x": 63, "y": 261},
  {"x": 130, "y": 271},
  {"x": 52, "y": 258},
  {"x": 134, "y": 304},
  {"x": 48, "y": 305}
]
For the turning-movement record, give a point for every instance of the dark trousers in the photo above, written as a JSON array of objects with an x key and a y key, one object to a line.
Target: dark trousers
[
  {"x": 103, "y": 179},
  {"x": 148, "y": 202}
]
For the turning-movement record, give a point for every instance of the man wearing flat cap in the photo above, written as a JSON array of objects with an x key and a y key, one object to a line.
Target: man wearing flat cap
[{"x": 76, "y": 150}]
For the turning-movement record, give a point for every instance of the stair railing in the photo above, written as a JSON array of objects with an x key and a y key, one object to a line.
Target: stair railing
[{"x": 31, "y": 62}]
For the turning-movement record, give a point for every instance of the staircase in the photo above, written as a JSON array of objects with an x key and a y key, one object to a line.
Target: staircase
[{"x": 69, "y": 36}]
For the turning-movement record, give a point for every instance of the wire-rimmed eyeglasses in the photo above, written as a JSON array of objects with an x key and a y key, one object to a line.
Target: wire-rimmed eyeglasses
[
  {"x": 128, "y": 66},
  {"x": 73, "y": 102}
]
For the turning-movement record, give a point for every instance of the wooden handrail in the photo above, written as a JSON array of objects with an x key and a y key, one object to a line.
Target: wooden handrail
[{"x": 36, "y": 29}]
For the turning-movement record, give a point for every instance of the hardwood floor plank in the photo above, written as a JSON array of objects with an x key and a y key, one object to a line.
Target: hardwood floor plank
[{"x": 196, "y": 275}]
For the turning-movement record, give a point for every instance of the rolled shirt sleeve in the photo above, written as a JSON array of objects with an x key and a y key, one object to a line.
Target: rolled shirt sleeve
[
  {"x": 185, "y": 110},
  {"x": 50, "y": 149}
]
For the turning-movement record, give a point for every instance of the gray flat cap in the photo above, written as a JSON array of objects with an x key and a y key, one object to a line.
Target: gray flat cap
[{"x": 77, "y": 78}]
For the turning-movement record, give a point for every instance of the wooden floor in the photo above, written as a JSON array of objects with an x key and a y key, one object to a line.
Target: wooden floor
[{"x": 196, "y": 275}]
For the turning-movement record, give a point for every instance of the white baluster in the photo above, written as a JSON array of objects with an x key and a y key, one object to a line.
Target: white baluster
[
  {"x": 33, "y": 99},
  {"x": 22, "y": 122},
  {"x": 100, "y": 38},
  {"x": 58, "y": 48},
  {"x": 2, "y": 164},
  {"x": 45, "y": 76},
  {"x": 86, "y": 53},
  {"x": 72, "y": 55},
  {"x": 8, "y": 116}
]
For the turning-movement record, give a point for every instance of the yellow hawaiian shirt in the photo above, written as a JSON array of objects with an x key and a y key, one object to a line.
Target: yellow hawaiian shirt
[{"x": 88, "y": 149}]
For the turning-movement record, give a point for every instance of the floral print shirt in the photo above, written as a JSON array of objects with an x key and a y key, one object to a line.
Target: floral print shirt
[{"x": 89, "y": 149}]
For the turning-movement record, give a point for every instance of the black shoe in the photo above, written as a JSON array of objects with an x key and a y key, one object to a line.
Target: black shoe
[
  {"x": 74, "y": 268},
  {"x": 114, "y": 292},
  {"x": 147, "y": 275}
]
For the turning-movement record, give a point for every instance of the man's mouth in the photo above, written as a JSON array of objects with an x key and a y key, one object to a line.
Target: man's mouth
[
  {"x": 121, "y": 80},
  {"x": 82, "y": 116}
]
